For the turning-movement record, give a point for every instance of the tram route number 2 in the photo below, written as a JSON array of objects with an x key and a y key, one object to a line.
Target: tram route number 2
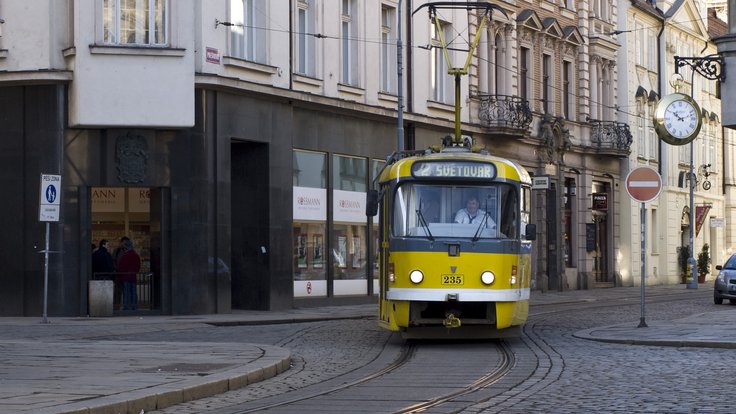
[{"x": 452, "y": 279}]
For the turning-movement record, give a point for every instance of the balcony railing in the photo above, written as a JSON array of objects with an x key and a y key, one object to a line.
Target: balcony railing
[
  {"x": 611, "y": 135},
  {"x": 502, "y": 111}
]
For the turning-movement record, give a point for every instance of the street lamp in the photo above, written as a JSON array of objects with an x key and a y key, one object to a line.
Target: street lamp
[{"x": 711, "y": 67}]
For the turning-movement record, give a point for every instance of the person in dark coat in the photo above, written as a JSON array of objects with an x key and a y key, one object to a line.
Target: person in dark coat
[
  {"x": 117, "y": 299},
  {"x": 129, "y": 265},
  {"x": 102, "y": 263}
]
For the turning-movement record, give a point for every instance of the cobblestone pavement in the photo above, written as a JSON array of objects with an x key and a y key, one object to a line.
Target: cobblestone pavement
[
  {"x": 585, "y": 376},
  {"x": 321, "y": 351},
  {"x": 101, "y": 365},
  {"x": 572, "y": 375}
]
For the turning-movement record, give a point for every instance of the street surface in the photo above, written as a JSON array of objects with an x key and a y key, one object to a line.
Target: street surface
[{"x": 335, "y": 363}]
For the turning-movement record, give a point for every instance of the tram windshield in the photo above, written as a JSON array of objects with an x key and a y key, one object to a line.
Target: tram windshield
[{"x": 456, "y": 211}]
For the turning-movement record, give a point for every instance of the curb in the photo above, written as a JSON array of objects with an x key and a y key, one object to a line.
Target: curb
[
  {"x": 274, "y": 361},
  {"x": 587, "y": 334}
]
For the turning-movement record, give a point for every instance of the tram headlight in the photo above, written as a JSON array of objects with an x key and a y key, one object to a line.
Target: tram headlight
[
  {"x": 416, "y": 276},
  {"x": 487, "y": 277}
]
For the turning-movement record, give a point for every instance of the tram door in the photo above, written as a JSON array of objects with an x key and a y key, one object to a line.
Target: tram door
[{"x": 249, "y": 225}]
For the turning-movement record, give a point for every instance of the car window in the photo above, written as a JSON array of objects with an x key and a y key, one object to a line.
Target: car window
[{"x": 731, "y": 263}]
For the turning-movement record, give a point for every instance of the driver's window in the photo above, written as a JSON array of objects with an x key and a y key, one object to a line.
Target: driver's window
[
  {"x": 430, "y": 204},
  {"x": 476, "y": 204}
]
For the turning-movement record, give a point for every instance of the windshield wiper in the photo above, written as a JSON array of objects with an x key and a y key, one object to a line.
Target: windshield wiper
[
  {"x": 478, "y": 232},
  {"x": 424, "y": 224}
]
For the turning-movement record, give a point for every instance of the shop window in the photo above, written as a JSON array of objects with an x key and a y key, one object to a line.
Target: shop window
[
  {"x": 310, "y": 223},
  {"x": 349, "y": 230}
]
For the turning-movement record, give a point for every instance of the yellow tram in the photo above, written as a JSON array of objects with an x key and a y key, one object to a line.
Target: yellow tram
[{"x": 454, "y": 244}]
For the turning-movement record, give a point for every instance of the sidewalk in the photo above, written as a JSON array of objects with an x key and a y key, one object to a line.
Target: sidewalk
[{"x": 60, "y": 367}]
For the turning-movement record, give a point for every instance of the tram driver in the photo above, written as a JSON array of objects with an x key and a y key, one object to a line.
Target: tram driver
[{"x": 473, "y": 214}]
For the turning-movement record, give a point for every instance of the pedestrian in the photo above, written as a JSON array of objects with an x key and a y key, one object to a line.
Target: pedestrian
[
  {"x": 102, "y": 263},
  {"x": 118, "y": 290},
  {"x": 129, "y": 265}
]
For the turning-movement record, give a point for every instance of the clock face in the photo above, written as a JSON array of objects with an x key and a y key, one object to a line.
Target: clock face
[
  {"x": 681, "y": 119},
  {"x": 677, "y": 119}
]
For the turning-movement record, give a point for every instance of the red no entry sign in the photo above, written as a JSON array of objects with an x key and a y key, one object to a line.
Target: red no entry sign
[{"x": 643, "y": 184}]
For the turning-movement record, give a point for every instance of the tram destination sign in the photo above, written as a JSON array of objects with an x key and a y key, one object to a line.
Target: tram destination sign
[{"x": 453, "y": 169}]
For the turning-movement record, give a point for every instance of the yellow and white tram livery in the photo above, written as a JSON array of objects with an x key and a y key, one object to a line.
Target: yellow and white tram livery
[{"x": 455, "y": 244}]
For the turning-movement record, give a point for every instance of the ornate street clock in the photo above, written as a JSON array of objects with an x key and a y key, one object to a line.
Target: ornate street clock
[{"x": 677, "y": 119}]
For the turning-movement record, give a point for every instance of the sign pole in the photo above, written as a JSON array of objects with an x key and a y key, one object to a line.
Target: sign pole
[
  {"x": 643, "y": 184},
  {"x": 46, "y": 276},
  {"x": 48, "y": 211},
  {"x": 642, "y": 321}
]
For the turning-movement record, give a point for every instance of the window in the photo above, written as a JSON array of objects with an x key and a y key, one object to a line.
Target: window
[
  {"x": 247, "y": 39},
  {"x": 388, "y": 50},
  {"x": 349, "y": 34},
  {"x": 310, "y": 222},
  {"x": 348, "y": 240},
  {"x": 567, "y": 225},
  {"x": 684, "y": 154},
  {"x": 456, "y": 211},
  {"x": 606, "y": 96},
  {"x": 442, "y": 82},
  {"x": 524, "y": 73},
  {"x": 652, "y": 51},
  {"x": 305, "y": 43},
  {"x": 135, "y": 22},
  {"x": 641, "y": 37},
  {"x": 709, "y": 147},
  {"x": 546, "y": 83},
  {"x": 654, "y": 229},
  {"x": 497, "y": 64},
  {"x": 653, "y": 143},
  {"x": 641, "y": 143},
  {"x": 567, "y": 93}
]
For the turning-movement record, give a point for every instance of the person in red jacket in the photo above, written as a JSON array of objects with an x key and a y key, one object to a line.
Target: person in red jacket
[{"x": 129, "y": 264}]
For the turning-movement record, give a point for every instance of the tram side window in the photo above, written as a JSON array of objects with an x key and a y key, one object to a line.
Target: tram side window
[{"x": 509, "y": 212}]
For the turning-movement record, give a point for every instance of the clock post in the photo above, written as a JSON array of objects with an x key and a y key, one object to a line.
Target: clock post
[
  {"x": 676, "y": 124},
  {"x": 677, "y": 121}
]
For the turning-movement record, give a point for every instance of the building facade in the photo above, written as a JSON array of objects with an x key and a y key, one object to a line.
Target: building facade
[
  {"x": 653, "y": 35},
  {"x": 234, "y": 141}
]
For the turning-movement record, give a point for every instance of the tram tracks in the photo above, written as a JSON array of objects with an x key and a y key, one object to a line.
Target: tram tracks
[
  {"x": 392, "y": 373},
  {"x": 405, "y": 355},
  {"x": 506, "y": 363}
]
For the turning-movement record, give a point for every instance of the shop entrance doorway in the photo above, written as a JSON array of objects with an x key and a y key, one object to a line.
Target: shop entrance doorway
[
  {"x": 250, "y": 225},
  {"x": 119, "y": 212}
]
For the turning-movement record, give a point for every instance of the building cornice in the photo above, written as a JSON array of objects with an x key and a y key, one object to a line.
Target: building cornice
[{"x": 35, "y": 77}]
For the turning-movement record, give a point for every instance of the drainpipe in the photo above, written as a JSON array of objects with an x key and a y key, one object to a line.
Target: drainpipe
[{"x": 661, "y": 163}]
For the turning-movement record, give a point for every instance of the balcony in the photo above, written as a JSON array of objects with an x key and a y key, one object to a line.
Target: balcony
[
  {"x": 611, "y": 137},
  {"x": 504, "y": 114}
]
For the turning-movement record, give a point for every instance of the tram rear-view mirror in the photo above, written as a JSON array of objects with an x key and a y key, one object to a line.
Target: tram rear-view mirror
[
  {"x": 531, "y": 232},
  {"x": 371, "y": 204}
]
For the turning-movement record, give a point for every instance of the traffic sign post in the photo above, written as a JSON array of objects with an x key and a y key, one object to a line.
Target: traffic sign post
[
  {"x": 48, "y": 211},
  {"x": 643, "y": 184}
]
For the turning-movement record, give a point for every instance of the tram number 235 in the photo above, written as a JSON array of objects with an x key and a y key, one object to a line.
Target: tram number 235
[{"x": 452, "y": 279}]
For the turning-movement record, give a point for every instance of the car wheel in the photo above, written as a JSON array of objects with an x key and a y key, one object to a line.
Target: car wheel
[
  {"x": 732, "y": 301},
  {"x": 717, "y": 300}
]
